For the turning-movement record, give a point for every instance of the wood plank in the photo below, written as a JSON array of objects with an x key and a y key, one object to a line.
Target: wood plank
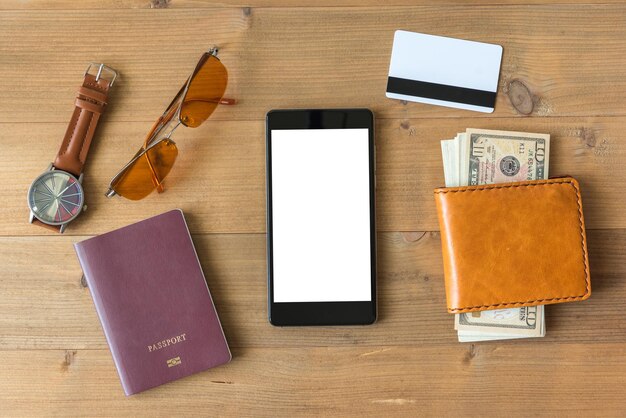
[
  {"x": 198, "y": 4},
  {"x": 219, "y": 178},
  {"x": 469, "y": 380},
  {"x": 310, "y": 57},
  {"x": 45, "y": 305},
  {"x": 56, "y": 361}
]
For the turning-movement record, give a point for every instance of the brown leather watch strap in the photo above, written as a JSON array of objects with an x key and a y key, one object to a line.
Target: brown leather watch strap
[{"x": 90, "y": 103}]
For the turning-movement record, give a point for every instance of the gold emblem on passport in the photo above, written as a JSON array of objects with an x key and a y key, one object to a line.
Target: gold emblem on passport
[{"x": 173, "y": 362}]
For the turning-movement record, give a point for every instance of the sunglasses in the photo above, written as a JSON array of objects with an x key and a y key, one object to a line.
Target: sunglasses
[{"x": 193, "y": 104}]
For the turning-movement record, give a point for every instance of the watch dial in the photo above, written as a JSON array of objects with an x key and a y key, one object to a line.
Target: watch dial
[{"x": 55, "y": 197}]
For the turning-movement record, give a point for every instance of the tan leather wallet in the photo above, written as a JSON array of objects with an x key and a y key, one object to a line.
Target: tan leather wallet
[{"x": 513, "y": 244}]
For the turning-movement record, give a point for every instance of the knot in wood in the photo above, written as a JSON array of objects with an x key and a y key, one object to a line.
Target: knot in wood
[{"x": 521, "y": 97}]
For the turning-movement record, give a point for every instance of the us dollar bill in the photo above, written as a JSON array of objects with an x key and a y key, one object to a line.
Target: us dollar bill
[
  {"x": 488, "y": 157},
  {"x": 524, "y": 322},
  {"x": 479, "y": 156}
]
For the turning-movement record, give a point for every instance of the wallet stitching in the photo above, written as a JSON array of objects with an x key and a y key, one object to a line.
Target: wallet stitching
[
  {"x": 505, "y": 186},
  {"x": 582, "y": 236}
]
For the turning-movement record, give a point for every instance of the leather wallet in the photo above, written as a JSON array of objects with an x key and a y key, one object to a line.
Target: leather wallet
[{"x": 513, "y": 244}]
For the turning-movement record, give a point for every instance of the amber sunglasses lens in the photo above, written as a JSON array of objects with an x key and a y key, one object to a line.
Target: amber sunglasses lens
[
  {"x": 205, "y": 91},
  {"x": 147, "y": 172}
]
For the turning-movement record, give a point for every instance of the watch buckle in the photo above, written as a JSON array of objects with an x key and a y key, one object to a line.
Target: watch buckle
[{"x": 102, "y": 68}]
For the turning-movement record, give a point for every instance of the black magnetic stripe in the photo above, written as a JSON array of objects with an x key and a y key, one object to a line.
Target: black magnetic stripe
[{"x": 441, "y": 92}]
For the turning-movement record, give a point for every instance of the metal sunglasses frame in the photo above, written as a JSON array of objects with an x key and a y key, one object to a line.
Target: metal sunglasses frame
[{"x": 160, "y": 126}]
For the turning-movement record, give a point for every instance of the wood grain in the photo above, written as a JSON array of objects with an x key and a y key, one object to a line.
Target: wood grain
[
  {"x": 220, "y": 172},
  {"x": 198, "y": 4},
  {"x": 45, "y": 305},
  {"x": 563, "y": 73},
  {"x": 309, "y": 57},
  {"x": 377, "y": 381}
]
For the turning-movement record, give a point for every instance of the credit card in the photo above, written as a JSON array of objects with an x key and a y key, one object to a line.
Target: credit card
[{"x": 444, "y": 71}]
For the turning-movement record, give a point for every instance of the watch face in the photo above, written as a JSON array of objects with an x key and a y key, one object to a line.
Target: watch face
[{"x": 55, "y": 197}]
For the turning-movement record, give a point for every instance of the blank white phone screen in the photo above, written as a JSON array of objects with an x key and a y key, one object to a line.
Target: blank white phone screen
[{"x": 321, "y": 215}]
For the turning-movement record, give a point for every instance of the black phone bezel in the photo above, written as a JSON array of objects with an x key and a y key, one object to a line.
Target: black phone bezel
[{"x": 321, "y": 313}]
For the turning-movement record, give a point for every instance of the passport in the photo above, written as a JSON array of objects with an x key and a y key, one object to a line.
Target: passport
[{"x": 153, "y": 302}]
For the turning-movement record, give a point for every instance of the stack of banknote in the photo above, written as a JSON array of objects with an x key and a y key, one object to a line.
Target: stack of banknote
[{"x": 479, "y": 156}]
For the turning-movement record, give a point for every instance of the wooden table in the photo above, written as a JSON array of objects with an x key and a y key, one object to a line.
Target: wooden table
[{"x": 563, "y": 73}]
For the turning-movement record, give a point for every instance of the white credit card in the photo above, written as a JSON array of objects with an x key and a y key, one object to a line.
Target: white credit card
[{"x": 444, "y": 71}]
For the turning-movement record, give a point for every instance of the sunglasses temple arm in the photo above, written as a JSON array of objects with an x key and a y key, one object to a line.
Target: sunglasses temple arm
[
  {"x": 148, "y": 139},
  {"x": 153, "y": 174},
  {"x": 155, "y": 179},
  {"x": 158, "y": 125},
  {"x": 225, "y": 101},
  {"x": 167, "y": 115},
  {"x": 178, "y": 95},
  {"x": 222, "y": 101}
]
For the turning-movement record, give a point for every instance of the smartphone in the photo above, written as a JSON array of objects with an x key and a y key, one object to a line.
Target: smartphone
[{"x": 321, "y": 232}]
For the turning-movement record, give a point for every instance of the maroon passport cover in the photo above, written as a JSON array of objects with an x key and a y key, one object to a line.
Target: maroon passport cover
[{"x": 153, "y": 301}]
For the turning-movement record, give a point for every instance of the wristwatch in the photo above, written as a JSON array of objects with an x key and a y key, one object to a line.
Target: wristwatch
[{"x": 56, "y": 197}]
